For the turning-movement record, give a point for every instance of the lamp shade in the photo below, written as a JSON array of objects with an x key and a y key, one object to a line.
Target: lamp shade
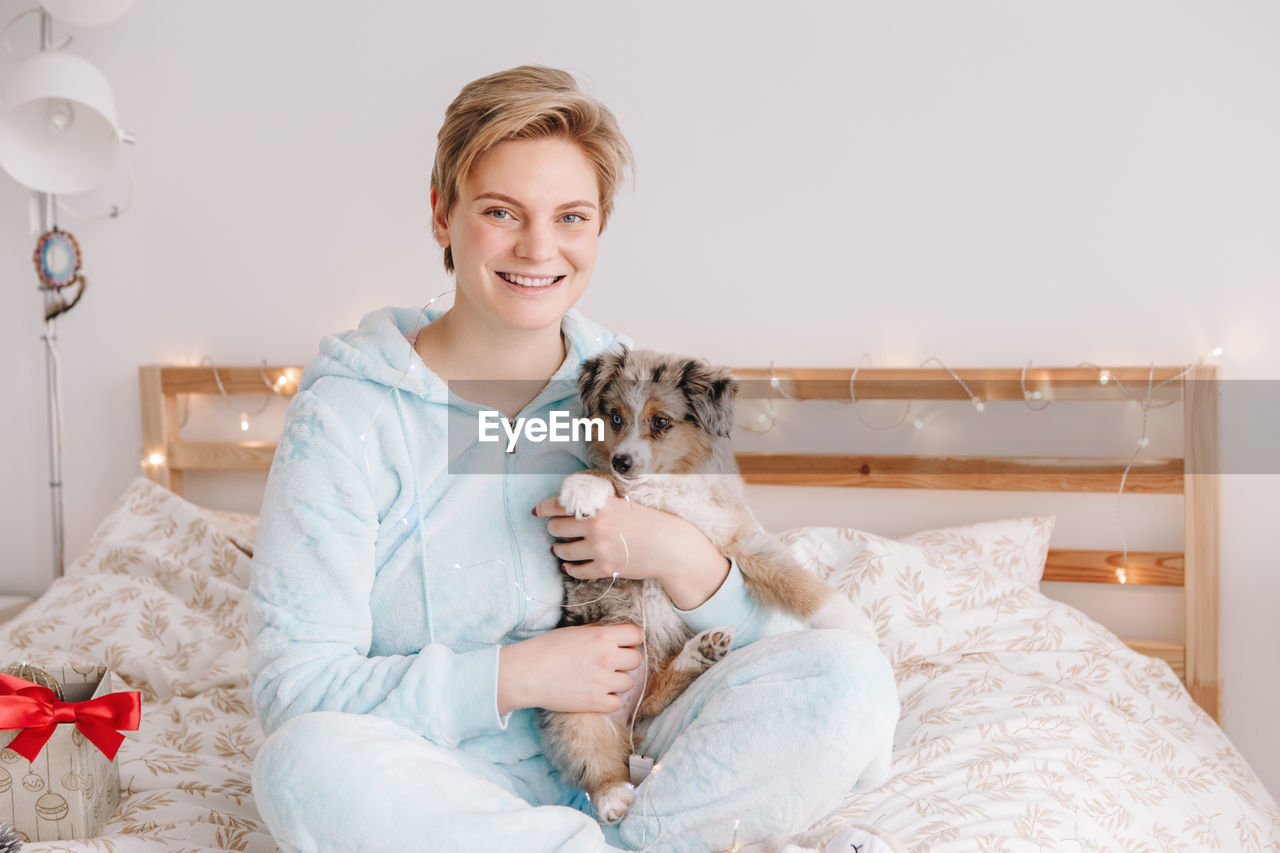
[
  {"x": 58, "y": 129},
  {"x": 86, "y": 13}
]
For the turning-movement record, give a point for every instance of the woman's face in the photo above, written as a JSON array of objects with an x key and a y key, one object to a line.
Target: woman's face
[{"x": 524, "y": 232}]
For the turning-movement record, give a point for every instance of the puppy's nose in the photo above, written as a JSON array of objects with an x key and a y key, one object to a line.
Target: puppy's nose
[{"x": 622, "y": 463}]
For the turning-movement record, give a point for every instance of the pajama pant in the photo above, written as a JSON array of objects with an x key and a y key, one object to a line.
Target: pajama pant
[{"x": 772, "y": 736}]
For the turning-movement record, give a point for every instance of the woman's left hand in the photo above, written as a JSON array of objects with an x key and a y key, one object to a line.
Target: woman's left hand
[{"x": 658, "y": 545}]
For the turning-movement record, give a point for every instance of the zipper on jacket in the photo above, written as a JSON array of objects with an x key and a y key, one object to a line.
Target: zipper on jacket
[{"x": 517, "y": 565}]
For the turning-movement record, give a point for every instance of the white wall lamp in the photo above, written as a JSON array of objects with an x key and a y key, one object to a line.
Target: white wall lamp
[{"x": 59, "y": 135}]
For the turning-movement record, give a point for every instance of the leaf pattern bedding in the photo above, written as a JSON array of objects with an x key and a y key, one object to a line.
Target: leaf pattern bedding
[{"x": 1025, "y": 725}]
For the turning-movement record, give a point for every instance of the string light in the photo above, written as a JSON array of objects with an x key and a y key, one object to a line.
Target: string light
[
  {"x": 777, "y": 383},
  {"x": 276, "y": 388},
  {"x": 1102, "y": 372},
  {"x": 916, "y": 422},
  {"x": 1029, "y": 398},
  {"x": 286, "y": 377},
  {"x": 764, "y": 421},
  {"x": 1105, "y": 376},
  {"x": 644, "y": 807},
  {"x": 155, "y": 459},
  {"x": 973, "y": 398}
]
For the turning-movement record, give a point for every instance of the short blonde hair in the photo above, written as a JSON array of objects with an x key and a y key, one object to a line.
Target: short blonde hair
[{"x": 526, "y": 102}]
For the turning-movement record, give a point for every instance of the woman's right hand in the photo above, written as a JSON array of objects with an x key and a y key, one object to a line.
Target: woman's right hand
[{"x": 579, "y": 668}]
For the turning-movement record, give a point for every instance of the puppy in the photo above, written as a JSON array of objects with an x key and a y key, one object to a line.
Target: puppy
[{"x": 666, "y": 445}]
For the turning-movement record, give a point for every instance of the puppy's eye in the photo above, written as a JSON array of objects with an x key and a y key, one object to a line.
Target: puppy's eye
[
  {"x": 617, "y": 419},
  {"x": 661, "y": 423}
]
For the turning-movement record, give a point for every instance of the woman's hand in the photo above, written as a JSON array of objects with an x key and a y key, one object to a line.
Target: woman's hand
[
  {"x": 580, "y": 668},
  {"x": 637, "y": 542}
]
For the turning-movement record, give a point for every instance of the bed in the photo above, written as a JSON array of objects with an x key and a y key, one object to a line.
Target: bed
[{"x": 1025, "y": 725}]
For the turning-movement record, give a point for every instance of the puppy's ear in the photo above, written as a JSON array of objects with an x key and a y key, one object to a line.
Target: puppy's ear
[
  {"x": 710, "y": 392},
  {"x": 595, "y": 376}
]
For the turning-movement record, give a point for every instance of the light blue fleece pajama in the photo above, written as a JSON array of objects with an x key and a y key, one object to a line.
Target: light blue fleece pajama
[{"x": 387, "y": 575}]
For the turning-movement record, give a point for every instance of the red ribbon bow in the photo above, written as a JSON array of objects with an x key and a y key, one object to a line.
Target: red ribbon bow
[{"x": 37, "y": 711}]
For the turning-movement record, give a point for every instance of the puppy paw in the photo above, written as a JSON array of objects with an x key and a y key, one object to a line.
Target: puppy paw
[
  {"x": 585, "y": 494},
  {"x": 612, "y": 802},
  {"x": 715, "y": 644},
  {"x": 702, "y": 650}
]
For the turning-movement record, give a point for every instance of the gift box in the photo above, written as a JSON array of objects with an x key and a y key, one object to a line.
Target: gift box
[{"x": 58, "y": 775}]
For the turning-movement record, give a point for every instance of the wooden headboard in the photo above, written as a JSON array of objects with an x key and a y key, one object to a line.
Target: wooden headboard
[{"x": 166, "y": 456}]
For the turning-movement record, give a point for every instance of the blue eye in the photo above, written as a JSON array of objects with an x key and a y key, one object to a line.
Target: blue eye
[
  {"x": 499, "y": 210},
  {"x": 617, "y": 419},
  {"x": 577, "y": 218}
]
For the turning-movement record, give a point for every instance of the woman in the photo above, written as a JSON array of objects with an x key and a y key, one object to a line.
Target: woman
[{"x": 404, "y": 598}]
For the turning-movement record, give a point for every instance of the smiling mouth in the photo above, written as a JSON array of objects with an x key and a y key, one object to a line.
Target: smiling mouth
[{"x": 531, "y": 282}]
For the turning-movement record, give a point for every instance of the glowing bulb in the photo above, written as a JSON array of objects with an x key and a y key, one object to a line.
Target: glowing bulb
[
  {"x": 774, "y": 382},
  {"x": 155, "y": 459},
  {"x": 1121, "y": 575},
  {"x": 977, "y": 404},
  {"x": 1215, "y": 352},
  {"x": 1144, "y": 441},
  {"x": 1104, "y": 377},
  {"x": 917, "y": 423},
  {"x": 280, "y": 380},
  {"x": 244, "y": 421}
]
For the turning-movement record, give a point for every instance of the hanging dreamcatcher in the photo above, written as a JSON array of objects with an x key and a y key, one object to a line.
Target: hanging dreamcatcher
[{"x": 57, "y": 260}]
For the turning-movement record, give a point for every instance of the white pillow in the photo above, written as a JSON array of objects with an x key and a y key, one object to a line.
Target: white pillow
[{"x": 956, "y": 591}]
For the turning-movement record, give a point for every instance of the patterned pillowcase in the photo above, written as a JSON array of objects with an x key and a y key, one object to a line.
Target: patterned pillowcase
[
  {"x": 956, "y": 591},
  {"x": 159, "y": 595},
  {"x": 153, "y": 532}
]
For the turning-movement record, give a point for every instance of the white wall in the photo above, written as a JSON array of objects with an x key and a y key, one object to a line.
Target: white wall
[{"x": 989, "y": 182}]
